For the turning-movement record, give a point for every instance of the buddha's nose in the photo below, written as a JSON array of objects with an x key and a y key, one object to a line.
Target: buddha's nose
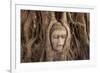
[{"x": 60, "y": 41}]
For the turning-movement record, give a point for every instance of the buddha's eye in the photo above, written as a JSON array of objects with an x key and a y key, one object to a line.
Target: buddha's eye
[{"x": 63, "y": 36}]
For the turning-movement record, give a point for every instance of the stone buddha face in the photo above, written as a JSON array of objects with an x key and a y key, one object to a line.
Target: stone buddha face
[{"x": 58, "y": 36}]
